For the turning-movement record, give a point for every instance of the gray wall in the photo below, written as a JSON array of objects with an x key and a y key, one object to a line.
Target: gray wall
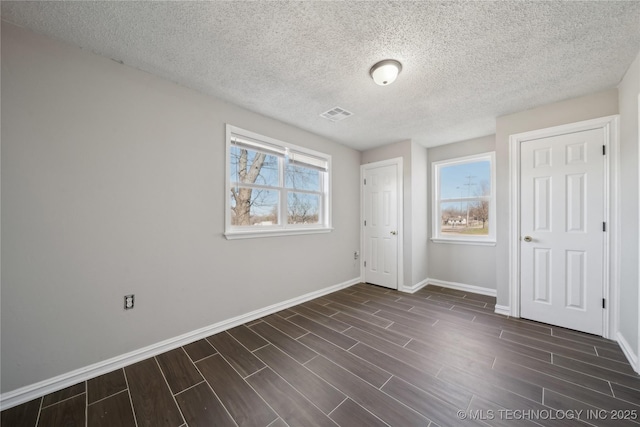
[
  {"x": 592, "y": 106},
  {"x": 461, "y": 263},
  {"x": 419, "y": 213},
  {"x": 113, "y": 183},
  {"x": 414, "y": 163},
  {"x": 629, "y": 90}
]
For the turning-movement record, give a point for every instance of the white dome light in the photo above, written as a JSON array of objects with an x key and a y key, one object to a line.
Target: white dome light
[{"x": 385, "y": 72}]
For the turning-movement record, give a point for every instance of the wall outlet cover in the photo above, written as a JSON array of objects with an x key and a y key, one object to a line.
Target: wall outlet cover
[{"x": 129, "y": 301}]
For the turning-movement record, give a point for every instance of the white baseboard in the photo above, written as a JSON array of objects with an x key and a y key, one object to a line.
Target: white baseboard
[
  {"x": 463, "y": 287},
  {"x": 505, "y": 310},
  {"x": 414, "y": 288},
  {"x": 42, "y": 388},
  {"x": 632, "y": 357}
]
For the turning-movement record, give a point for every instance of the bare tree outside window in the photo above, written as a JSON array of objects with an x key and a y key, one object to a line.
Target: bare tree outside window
[
  {"x": 303, "y": 207},
  {"x": 252, "y": 205},
  {"x": 257, "y": 191},
  {"x": 480, "y": 210},
  {"x": 464, "y": 197}
]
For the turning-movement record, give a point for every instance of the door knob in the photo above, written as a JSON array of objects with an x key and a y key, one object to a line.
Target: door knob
[
  {"x": 527, "y": 238},
  {"x": 394, "y": 233}
]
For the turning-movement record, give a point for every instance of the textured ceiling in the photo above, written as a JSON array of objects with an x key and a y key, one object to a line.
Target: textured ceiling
[{"x": 464, "y": 63}]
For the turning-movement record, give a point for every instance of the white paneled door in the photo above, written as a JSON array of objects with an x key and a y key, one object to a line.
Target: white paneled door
[
  {"x": 562, "y": 226},
  {"x": 381, "y": 226}
]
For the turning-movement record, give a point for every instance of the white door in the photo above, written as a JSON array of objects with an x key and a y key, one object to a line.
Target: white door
[
  {"x": 381, "y": 226},
  {"x": 562, "y": 226}
]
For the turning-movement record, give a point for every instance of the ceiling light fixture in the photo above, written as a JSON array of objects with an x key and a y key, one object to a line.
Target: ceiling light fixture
[{"x": 385, "y": 72}]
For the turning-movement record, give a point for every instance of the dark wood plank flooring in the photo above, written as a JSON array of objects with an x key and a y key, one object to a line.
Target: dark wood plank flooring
[{"x": 362, "y": 356}]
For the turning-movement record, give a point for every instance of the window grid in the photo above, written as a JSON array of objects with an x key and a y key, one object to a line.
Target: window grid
[
  {"x": 294, "y": 192},
  {"x": 463, "y": 209}
]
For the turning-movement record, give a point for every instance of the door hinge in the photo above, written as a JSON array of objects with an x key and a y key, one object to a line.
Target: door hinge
[
  {"x": 365, "y": 263},
  {"x": 604, "y": 304},
  {"x": 365, "y": 222},
  {"x": 365, "y": 181},
  {"x": 604, "y": 150},
  {"x": 604, "y": 226}
]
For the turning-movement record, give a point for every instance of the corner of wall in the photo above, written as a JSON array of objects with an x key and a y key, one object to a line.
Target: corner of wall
[{"x": 628, "y": 334}]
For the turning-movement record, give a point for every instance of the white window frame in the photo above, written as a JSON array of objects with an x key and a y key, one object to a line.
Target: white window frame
[
  {"x": 282, "y": 228},
  {"x": 436, "y": 214}
]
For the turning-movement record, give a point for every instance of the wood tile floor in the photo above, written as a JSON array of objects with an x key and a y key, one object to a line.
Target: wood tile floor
[{"x": 363, "y": 356}]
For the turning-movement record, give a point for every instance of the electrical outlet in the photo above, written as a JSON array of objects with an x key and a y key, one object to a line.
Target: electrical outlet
[
  {"x": 356, "y": 255},
  {"x": 129, "y": 301}
]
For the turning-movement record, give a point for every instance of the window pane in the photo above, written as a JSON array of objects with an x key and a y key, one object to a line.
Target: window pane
[
  {"x": 251, "y": 206},
  {"x": 303, "y": 208},
  {"x": 465, "y": 180},
  {"x": 253, "y": 167},
  {"x": 464, "y": 218},
  {"x": 301, "y": 178}
]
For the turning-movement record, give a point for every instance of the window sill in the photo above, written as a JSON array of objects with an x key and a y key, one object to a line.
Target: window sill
[
  {"x": 471, "y": 242},
  {"x": 233, "y": 235}
]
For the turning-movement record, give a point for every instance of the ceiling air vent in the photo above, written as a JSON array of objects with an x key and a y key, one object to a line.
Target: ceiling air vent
[{"x": 336, "y": 114}]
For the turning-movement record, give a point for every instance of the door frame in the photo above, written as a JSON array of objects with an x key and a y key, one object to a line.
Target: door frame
[
  {"x": 611, "y": 215},
  {"x": 400, "y": 200}
]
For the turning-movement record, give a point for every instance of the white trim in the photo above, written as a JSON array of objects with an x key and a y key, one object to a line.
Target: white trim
[
  {"x": 453, "y": 241},
  {"x": 514, "y": 226},
  {"x": 275, "y": 233},
  {"x": 628, "y": 352},
  {"x": 397, "y": 161},
  {"x": 414, "y": 288},
  {"x": 463, "y": 287},
  {"x": 502, "y": 309},
  {"x": 612, "y": 241},
  {"x": 33, "y": 391}
]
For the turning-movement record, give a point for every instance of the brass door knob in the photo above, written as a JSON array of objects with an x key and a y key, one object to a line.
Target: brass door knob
[
  {"x": 527, "y": 239},
  {"x": 394, "y": 233}
]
